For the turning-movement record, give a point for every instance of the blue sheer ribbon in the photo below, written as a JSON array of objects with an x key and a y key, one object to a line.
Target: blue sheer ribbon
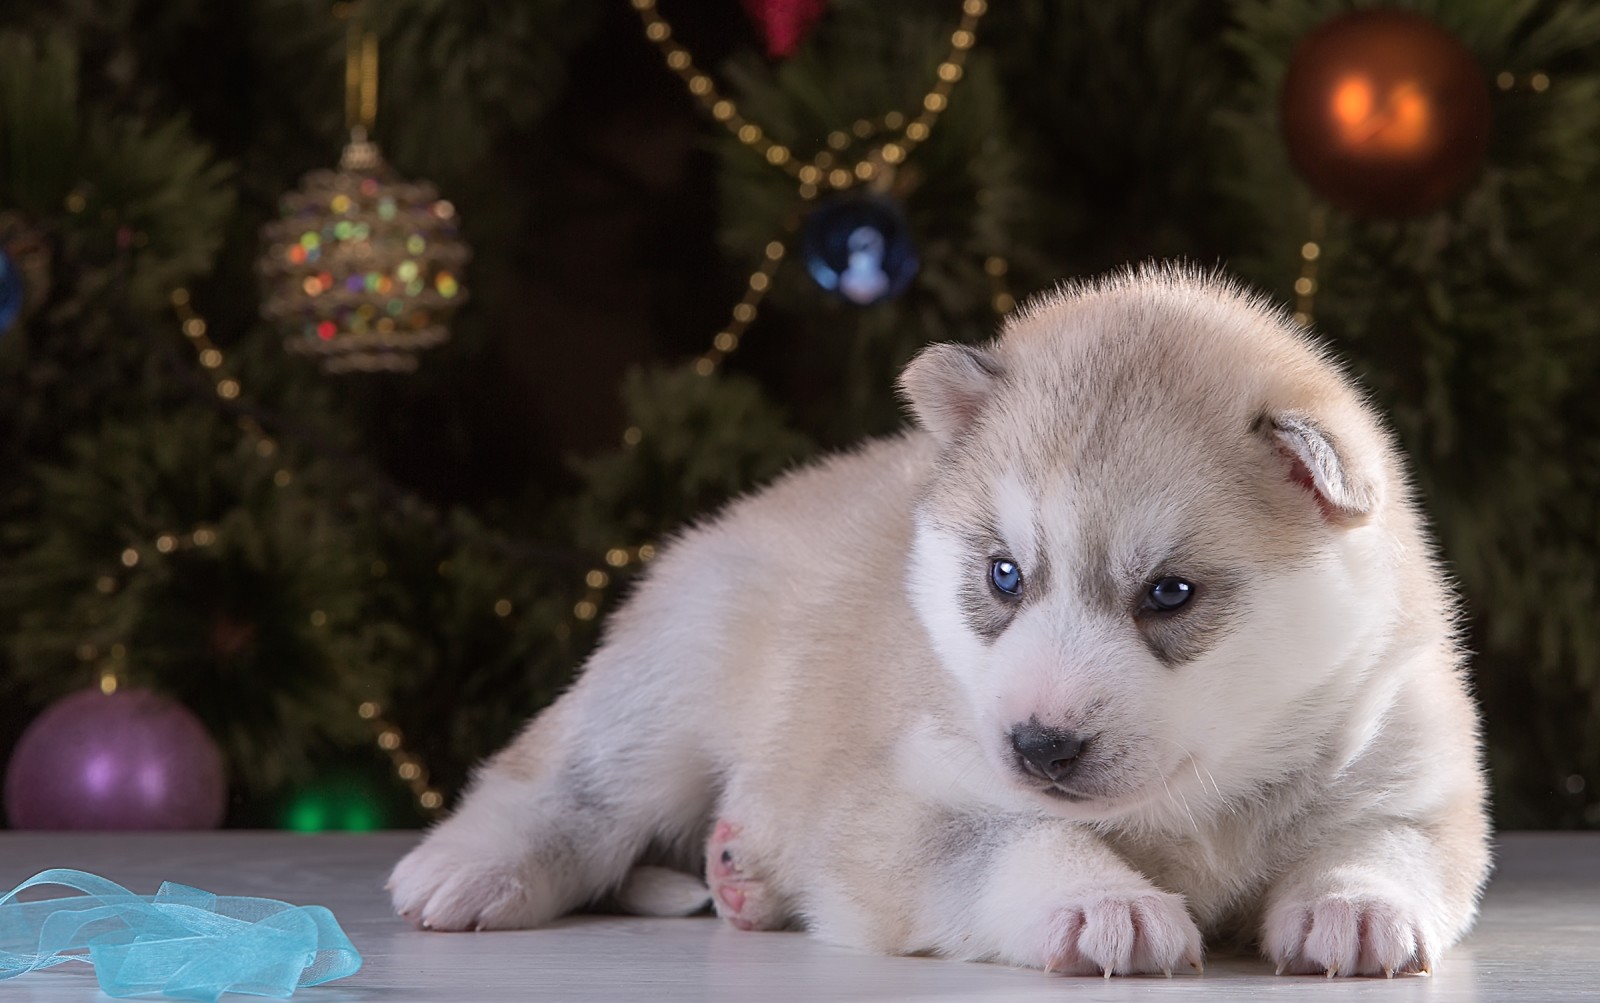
[{"x": 181, "y": 941}]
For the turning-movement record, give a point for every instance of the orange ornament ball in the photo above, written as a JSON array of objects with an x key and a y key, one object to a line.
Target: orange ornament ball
[{"x": 1385, "y": 113}]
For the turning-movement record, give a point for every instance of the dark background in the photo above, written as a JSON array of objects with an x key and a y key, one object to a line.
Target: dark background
[{"x": 613, "y": 226}]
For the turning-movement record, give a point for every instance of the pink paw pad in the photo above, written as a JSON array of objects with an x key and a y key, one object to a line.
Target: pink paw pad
[{"x": 740, "y": 899}]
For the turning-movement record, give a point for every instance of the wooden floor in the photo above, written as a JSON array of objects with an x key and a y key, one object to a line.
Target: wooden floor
[{"x": 1538, "y": 939}]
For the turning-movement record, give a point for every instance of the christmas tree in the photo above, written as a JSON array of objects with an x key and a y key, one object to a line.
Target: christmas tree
[{"x": 353, "y": 359}]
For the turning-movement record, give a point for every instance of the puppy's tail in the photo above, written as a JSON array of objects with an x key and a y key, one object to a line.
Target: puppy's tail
[{"x": 659, "y": 891}]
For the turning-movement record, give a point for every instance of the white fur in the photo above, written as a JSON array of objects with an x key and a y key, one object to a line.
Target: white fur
[
  {"x": 1014, "y": 516},
  {"x": 1293, "y": 756},
  {"x": 935, "y": 562},
  {"x": 660, "y": 891}
]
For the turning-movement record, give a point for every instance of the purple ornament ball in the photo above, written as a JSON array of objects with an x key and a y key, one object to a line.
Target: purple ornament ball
[{"x": 128, "y": 760}]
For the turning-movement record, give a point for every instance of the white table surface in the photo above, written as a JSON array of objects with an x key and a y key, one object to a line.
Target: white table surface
[{"x": 1537, "y": 940}]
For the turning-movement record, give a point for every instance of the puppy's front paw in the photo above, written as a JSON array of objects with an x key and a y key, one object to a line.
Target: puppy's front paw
[
  {"x": 1123, "y": 934},
  {"x": 447, "y": 885},
  {"x": 1351, "y": 934}
]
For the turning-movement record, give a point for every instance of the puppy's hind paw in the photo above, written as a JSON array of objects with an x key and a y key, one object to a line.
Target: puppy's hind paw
[
  {"x": 445, "y": 886},
  {"x": 1148, "y": 933},
  {"x": 740, "y": 897},
  {"x": 1339, "y": 935}
]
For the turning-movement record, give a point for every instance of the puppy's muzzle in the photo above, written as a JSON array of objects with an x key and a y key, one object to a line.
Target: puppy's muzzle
[{"x": 1047, "y": 753}]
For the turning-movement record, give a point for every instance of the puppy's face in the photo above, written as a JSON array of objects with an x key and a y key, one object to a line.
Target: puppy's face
[{"x": 1150, "y": 579}]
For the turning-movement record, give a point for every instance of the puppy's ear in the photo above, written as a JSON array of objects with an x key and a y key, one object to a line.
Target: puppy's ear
[
  {"x": 948, "y": 384},
  {"x": 1346, "y": 486}
]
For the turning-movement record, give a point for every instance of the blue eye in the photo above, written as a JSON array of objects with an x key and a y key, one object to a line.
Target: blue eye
[
  {"x": 1006, "y": 576},
  {"x": 1170, "y": 593}
]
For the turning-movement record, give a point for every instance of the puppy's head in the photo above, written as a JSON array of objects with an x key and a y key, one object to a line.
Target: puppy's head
[{"x": 1153, "y": 550}]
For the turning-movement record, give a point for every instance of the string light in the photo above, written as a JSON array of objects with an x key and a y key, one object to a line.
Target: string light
[
  {"x": 596, "y": 580},
  {"x": 211, "y": 359},
  {"x": 1000, "y": 298},
  {"x": 741, "y": 317},
  {"x": 1538, "y": 82},
  {"x": 108, "y": 672},
  {"x": 949, "y": 71},
  {"x": 823, "y": 170},
  {"x": 409, "y": 767},
  {"x": 1305, "y": 287},
  {"x": 132, "y": 557}
]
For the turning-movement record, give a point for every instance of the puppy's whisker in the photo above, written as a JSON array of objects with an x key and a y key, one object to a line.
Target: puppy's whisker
[
  {"x": 1185, "y": 801},
  {"x": 1186, "y": 811},
  {"x": 1207, "y": 783}
]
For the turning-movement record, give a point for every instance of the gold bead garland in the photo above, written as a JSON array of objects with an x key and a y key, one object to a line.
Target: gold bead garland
[
  {"x": 227, "y": 387},
  {"x": 408, "y": 766},
  {"x": 757, "y": 286},
  {"x": 1305, "y": 287},
  {"x": 821, "y": 172},
  {"x": 824, "y": 171},
  {"x": 1000, "y": 299},
  {"x": 1538, "y": 82}
]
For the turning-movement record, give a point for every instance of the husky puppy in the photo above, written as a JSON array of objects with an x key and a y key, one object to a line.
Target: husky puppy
[{"x": 1138, "y": 642}]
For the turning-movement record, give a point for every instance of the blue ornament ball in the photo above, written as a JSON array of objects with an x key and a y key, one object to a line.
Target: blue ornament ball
[
  {"x": 859, "y": 248},
  {"x": 12, "y": 291}
]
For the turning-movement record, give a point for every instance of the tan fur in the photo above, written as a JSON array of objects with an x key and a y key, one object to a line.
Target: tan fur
[{"x": 1292, "y": 775}]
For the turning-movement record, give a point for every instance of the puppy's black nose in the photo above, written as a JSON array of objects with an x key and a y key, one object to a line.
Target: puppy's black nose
[{"x": 1049, "y": 753}]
